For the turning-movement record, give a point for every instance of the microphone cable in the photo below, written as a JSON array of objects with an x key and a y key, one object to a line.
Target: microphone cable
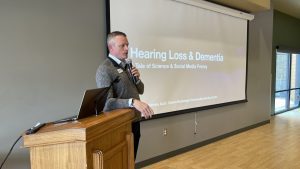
[
  {"x": 10, "y": 151},
  {"x": 29, "y": 131}
]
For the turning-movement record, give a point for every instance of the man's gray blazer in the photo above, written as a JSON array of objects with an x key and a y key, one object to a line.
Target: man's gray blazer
[{"x": 122, "y": 90}]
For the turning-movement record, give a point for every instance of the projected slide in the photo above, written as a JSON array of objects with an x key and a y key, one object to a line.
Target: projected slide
[{"x": 189, "y": 57}]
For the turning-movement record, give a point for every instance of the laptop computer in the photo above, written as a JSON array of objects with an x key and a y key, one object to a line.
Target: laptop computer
[{"x": 93, "y": 102}]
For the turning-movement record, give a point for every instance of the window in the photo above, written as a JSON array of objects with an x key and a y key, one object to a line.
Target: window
[{"x": 287, "y": 90}]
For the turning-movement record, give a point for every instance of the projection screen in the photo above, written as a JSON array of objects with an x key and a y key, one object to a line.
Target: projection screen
[{"x": 190, "y": 57}]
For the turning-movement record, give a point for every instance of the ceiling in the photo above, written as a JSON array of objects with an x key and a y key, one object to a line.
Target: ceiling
[{"x": 290, "y": 7}]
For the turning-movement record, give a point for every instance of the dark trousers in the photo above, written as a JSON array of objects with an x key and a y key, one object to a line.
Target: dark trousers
[{"x": 136, "y": 136}]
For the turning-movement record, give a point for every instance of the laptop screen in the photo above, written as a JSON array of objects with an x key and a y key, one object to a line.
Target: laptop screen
[{"x": 93, "y": 102}]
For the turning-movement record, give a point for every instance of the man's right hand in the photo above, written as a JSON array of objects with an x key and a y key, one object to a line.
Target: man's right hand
[{"x": 144, "y": 108}]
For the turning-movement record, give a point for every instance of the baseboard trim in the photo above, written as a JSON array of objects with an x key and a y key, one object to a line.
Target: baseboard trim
[{"x": 197, "y": 145}]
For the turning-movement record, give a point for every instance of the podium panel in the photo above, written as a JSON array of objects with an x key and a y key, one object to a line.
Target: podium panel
[{"x": 97, "y": 142}]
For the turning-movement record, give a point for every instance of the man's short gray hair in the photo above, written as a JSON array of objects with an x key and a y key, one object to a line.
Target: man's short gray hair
[{"x": 112, "y": 35}]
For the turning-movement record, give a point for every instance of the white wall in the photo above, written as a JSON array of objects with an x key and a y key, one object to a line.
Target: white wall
[{"x": 49, "y": 53}]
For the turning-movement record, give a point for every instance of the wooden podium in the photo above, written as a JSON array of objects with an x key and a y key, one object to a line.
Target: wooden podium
[{"x": 98, "y": 142}]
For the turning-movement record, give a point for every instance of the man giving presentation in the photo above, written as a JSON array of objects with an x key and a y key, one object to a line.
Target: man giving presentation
[{"x": 125, "y": 80}]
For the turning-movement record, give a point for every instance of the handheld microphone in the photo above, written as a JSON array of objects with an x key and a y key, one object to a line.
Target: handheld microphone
[
  {"x": 129, "y": 68},
  {"x": 35, "y": 128}
]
